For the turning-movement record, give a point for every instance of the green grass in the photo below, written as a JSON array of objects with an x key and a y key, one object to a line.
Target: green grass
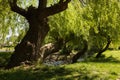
[
  {"x": 106, "y": 68},
  {"x": 114, "y": 54}
]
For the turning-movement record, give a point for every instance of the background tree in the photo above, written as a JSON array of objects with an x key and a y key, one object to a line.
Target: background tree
[
  {"x": 103, "y": 18},
  {"x": 68, "y": 29}
]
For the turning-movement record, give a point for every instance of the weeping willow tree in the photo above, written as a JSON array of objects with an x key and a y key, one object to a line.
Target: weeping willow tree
[
  {"x": 103, "y": 18},
  {"x": 97, "y": 22},
  {"x": 29, "y": 47},
  {"x": 92, "y": 23}
]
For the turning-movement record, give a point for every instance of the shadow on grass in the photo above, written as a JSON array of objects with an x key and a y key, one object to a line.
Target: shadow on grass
[
  {"x": 48, "y": 73},
  {"x": 4, "y": 58},
  {"x": 45, "y": 73}
]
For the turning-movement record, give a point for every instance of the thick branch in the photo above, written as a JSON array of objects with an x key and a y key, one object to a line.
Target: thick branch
[
  {"x": 105, "y": 48},
  {"x": 42, "y": 4},
  {"x": 60, "y": 6},
  {"x": 80, "y": 53},
  {"x": 15, "y": 8},
  {"x": 48, "y": 49}
]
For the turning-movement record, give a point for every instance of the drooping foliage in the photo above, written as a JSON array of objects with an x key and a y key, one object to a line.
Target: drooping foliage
[
  {"x": 103, "y": 18},
  {"x": 12, "y": 25},
  {"x": 69, "y": 26},
  {"x": 95, "y": 21}
]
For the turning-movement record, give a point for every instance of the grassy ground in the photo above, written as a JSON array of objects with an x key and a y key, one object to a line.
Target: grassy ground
[{"x": 106, "y": 68}]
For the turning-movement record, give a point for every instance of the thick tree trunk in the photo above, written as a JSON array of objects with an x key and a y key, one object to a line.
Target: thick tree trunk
[
  {"x": 29, "y": 48},
  {"x": 80, "y": 53}
]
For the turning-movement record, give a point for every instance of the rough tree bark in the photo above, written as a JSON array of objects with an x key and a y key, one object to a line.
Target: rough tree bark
[
  {"x": 29, "y": 47},
  {"x": 80, "y": 53}
]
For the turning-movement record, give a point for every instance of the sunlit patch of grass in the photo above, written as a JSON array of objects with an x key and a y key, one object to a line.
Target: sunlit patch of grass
[
  {"x": 104, "y": 71},
  {"x": 114, "y": 53}
]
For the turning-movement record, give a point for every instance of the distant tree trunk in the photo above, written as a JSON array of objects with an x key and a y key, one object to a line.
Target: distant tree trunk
[
  {"x": 104, "y": 49},
  {"x": 80, "y": 53},
  {"x": 29, "y": 48}
]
